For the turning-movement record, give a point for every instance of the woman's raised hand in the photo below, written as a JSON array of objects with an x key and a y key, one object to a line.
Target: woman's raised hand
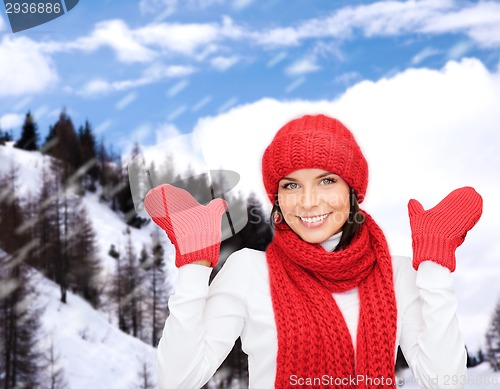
[
  {"x": 437, "y": 232},
  {"x": 194, "y": 229}
]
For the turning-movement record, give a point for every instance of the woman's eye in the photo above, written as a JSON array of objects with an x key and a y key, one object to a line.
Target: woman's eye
[
  {"x": 290, "y": 185},
  {"x": 328, "y": 181}
]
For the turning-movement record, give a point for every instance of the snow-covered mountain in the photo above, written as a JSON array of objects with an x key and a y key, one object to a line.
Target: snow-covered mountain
[{"x": 92, "y": 351}]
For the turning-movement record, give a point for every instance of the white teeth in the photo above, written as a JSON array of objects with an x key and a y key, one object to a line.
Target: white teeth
[{"x": 314, "y": 219}]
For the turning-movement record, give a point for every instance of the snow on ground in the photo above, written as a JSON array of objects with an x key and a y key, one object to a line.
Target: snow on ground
[
  {"x": 110, "y": 229},
  {"x": 30, "y": 167},
  {"x": 93, "y": 352}
]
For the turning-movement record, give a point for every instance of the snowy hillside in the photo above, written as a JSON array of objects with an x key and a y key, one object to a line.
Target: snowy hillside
[
  {"x": 108, "y": 225},
  {"x": 93, "y": 352}
]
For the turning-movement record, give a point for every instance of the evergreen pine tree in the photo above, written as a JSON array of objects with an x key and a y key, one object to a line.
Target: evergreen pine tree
[
  {"x": 493, "y": 340},
  {"x": 112, "y": 176},
  {"x": 127, "y": 290},
  {"x": 54, "y": 372},
  {"x": 145, "y": 378},
  {"x": 11, "y": 216},
  {"x": 104, "y": 162},
  {"x": 50, "y": 140},
  {"x": 4, "y": 137},
  {"x": 46, "y": 228},
  {"x": 52, "y": 229},
  {"x": 29, "y": 134},
  {"x": 19, "y": 322},
  {"x": 66, "y": 252},
  {"x": 84, "y": 264},
  {"x": 20, "y": 362},
  {"x": 156, "y": 287},
  {"x": 65, "y": 210},
  {"x": 62, "y": 143},
  {"x": 88, "y": 151}
]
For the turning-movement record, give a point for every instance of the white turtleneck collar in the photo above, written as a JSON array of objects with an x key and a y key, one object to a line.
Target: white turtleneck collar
[{"x": 331, "y": 242}]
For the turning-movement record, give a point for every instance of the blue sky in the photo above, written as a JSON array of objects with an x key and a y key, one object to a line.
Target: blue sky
[
  {"x": 418, "y": 82},
  {"x": 131, "y": 67}
]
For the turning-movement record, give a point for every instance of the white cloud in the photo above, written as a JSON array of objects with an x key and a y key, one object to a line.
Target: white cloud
[
  {"x": 165, "y": 7},
  {"x": 280, "y": 36},
  {"x": 348, "y": 78},
  {"x": 176, "y": 113},
  {"x": 41, "y": 112},
  {"x": 295, "y": 84},
  {"x": 2, "y": 24},
  {"x": 116, "y": 35},
  {"x": 479, "y": 21},
  {"x": 10, "y": 121},
  {"x": 178, "y": 38},
  {"x": 189, "y": 38},
  {"x": 103, "y": 126},
  {"x": 23, "y": 103},
  {"x": 458, "y": 50},
  {"x": 424, "y": 132},
  {"x": 140, "y": 133},
  {"x": 241, "y": 4},
  {"x": 177, "y": 88},
  {"x": 228, "y": 104},
  {"x": 376, "y": 19},
  {"x": 204, "y": 3},
  {"x": 303, "y": 66},
  {"x": 423, "y": 55},
  {"x": 388, "y": 18},
  {"x": 223, "y": 63},
  {"x": 125, "y": 101},
  {"x": 24, "y": 69},
  {"x": 158, "y": 71},
  {"x": 276, "y": 59},
  {"x": 150, "y": 75},
  {"x": 201, "y": 103},
  {"x": 167, "y": 131}
]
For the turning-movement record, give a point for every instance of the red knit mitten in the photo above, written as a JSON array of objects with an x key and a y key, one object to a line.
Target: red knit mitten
[
  {"x": 437, "y": 232},
  {"x": 194, "y": 229}
]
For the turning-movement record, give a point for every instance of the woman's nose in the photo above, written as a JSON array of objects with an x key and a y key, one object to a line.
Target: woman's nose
[{"x": 309, "y": 199}]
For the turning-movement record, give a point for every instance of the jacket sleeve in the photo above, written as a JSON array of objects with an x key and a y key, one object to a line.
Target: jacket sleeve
[
  {"x": 203, "y": 324},
  {"x": 431, "y": 340}
]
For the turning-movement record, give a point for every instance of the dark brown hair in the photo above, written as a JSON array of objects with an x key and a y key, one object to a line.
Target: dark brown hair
[{"x": 349, "y": 229}]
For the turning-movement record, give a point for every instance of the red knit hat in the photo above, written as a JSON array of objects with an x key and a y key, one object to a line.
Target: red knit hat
[{"x": 319, "y": 142}]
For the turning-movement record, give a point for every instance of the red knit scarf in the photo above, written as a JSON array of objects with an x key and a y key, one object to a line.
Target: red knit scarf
[{"x": 314, "y": 343}]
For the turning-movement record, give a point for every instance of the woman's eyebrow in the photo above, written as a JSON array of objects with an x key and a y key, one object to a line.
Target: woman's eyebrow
[
  {"x": 317, "y": 178},
  {"x": 324, "y": 175}
]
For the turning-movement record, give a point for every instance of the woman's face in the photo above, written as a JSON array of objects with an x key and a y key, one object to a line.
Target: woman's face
[{"x": 314, "y": 203}]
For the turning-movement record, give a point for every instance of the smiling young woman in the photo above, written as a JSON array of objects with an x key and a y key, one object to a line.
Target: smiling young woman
[
  {"x": 326, "y": 299},
  {"x": 314, "y": 203}
]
